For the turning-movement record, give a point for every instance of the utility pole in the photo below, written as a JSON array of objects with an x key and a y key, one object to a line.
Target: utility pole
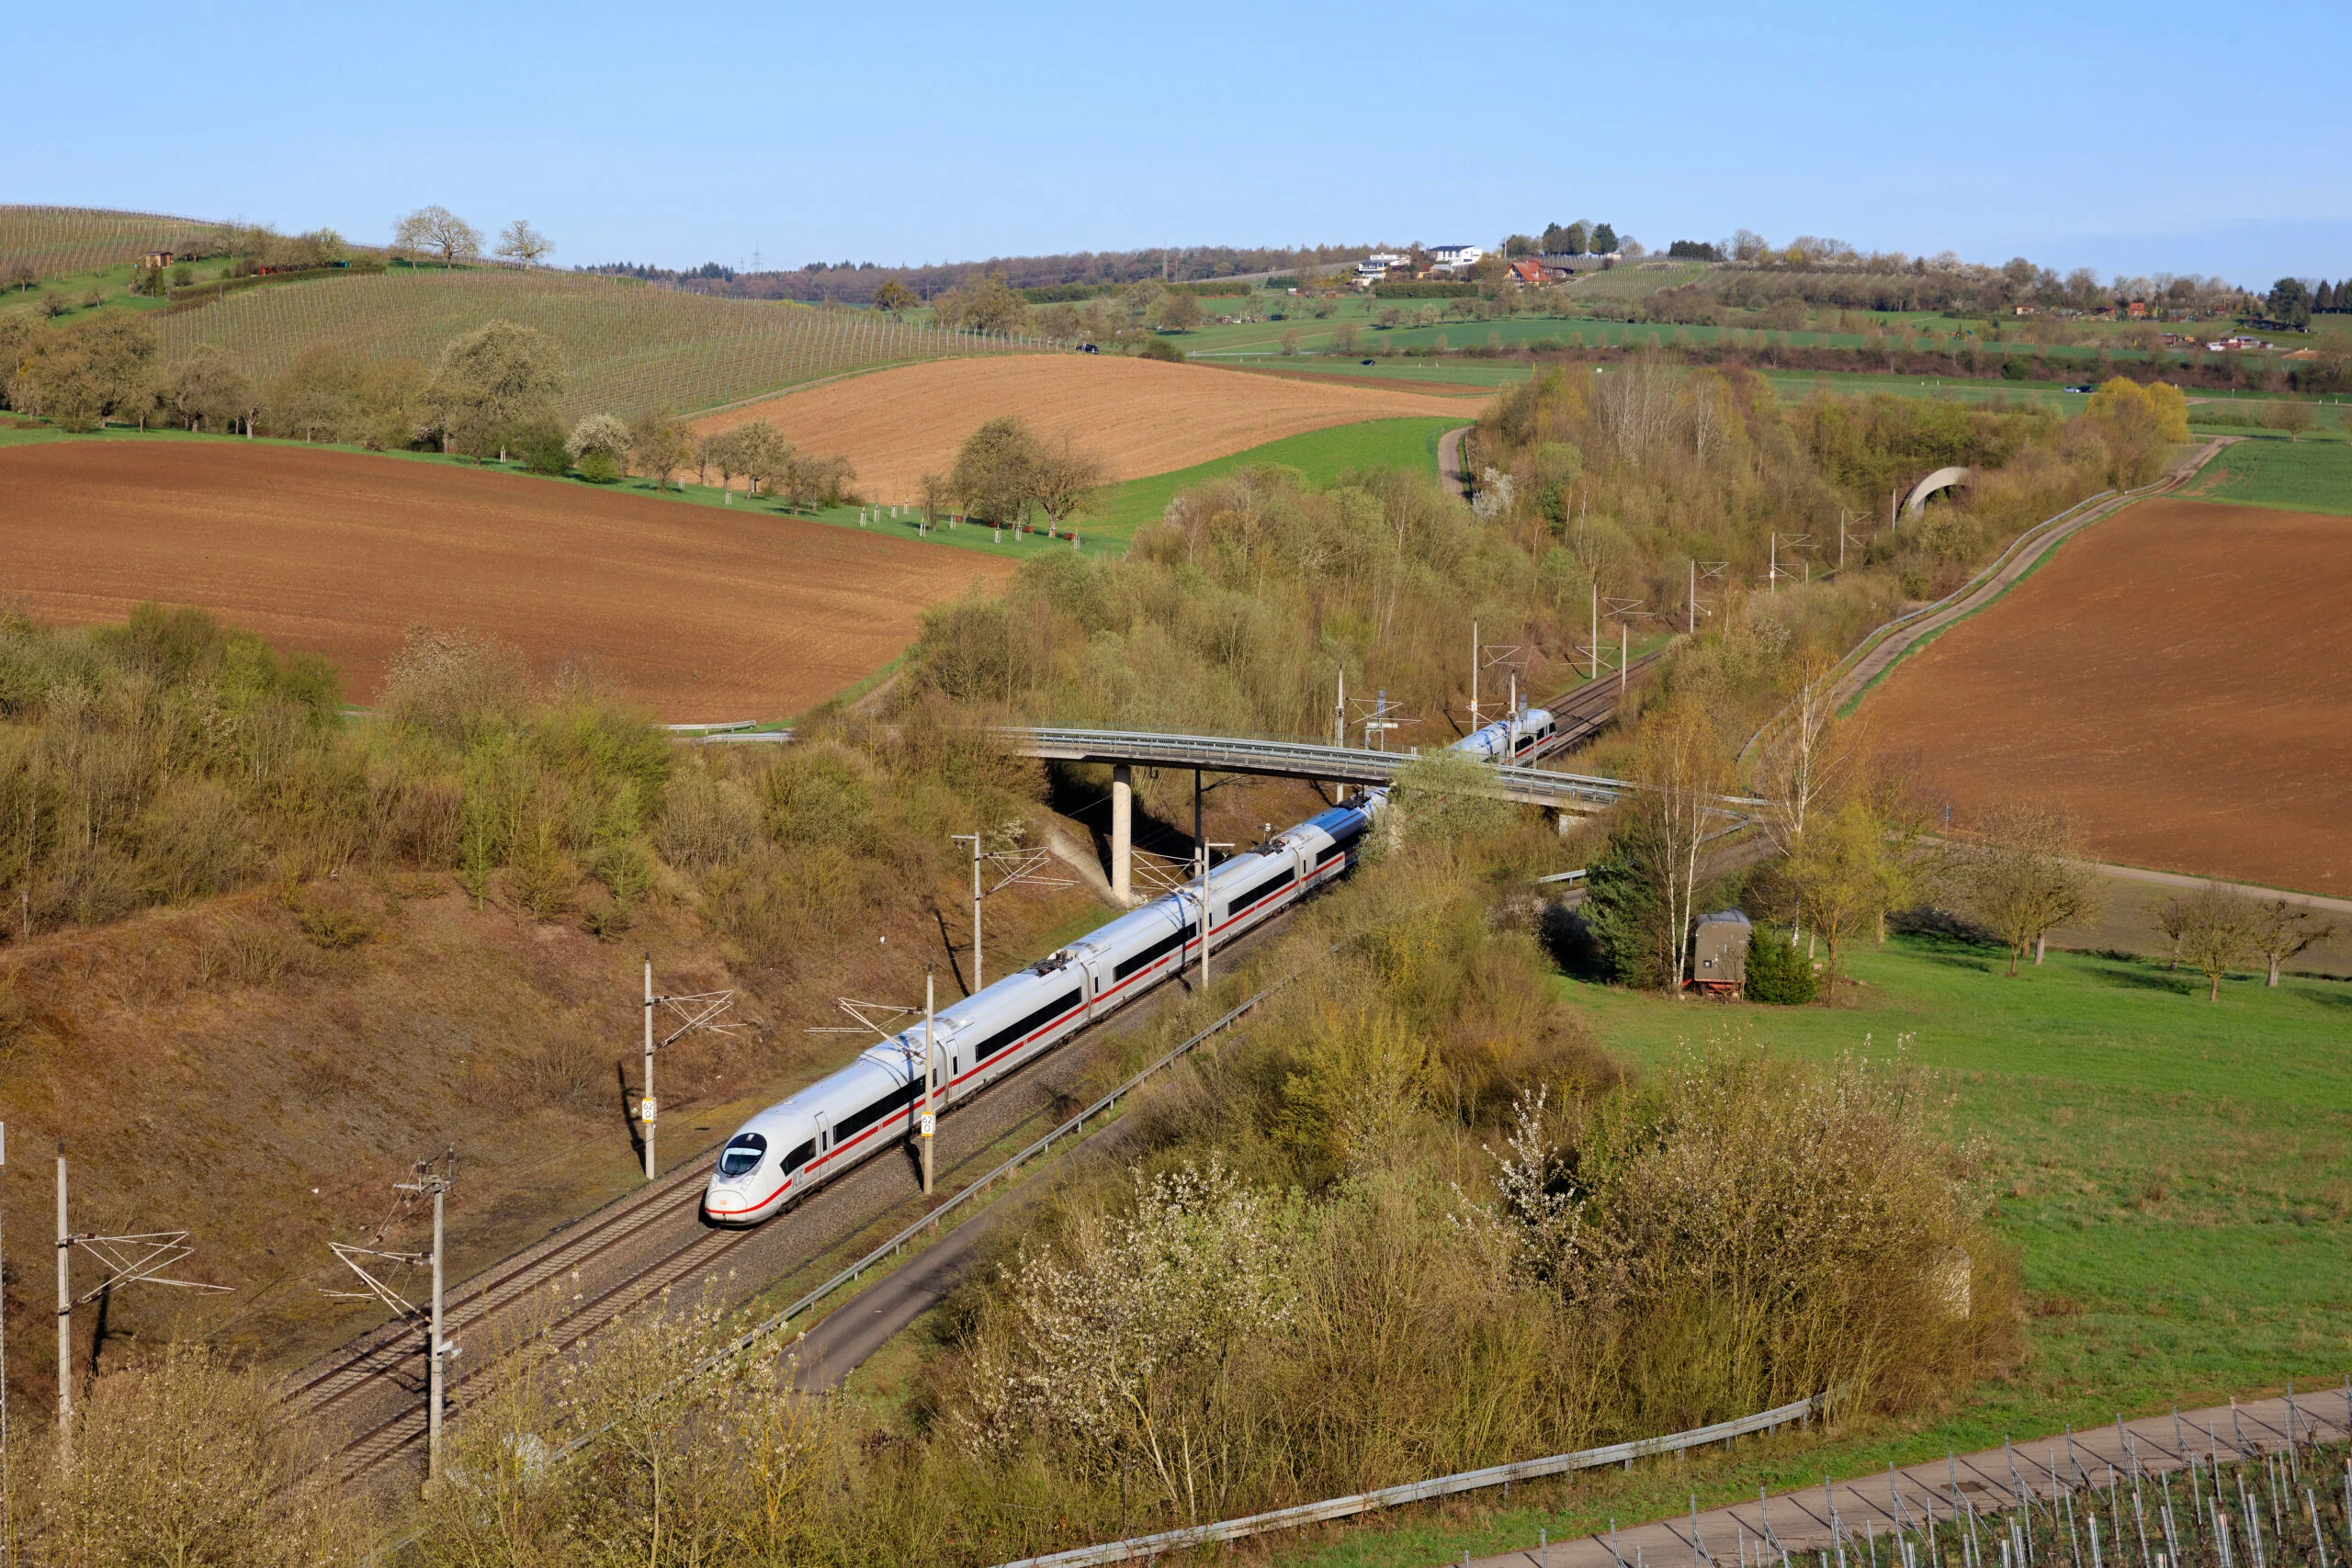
[
  {"x": 65, "y": 1321},
  {"x": 1201, "y": 858},
  {"x": 433, "y": 1177},
  {"x": 930, "y": 1056},
  {"x": 1596, "y": 629},
  {"x": 1339, "y": 712},
  {"x": 1772, "y": 575},
  {"x": 1690, "y": 619},
  {"x": 698, "y": 1011},
  {"x": 1473, "y": 677},
  {"x": 645, "y": 1116},
  {"x": 975, "y": 837},
  {"x": 1621, "y": 646},
  {"x": 1841, "y": 539}
]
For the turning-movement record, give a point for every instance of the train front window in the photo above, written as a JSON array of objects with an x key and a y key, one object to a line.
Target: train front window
[{"x": 742, "y": 1154}]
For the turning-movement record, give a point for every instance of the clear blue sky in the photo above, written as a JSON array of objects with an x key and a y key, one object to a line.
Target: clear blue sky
[{"x": 2158, "y": 138}]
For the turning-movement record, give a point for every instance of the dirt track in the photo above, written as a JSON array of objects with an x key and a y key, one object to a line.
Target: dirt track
[
  {"x": 698, "y": 613},
  {"x": 2174, "y": 674},
  {"x": 1140, "y": 416}
]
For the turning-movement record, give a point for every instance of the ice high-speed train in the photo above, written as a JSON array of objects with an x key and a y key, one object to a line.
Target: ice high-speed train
[{"x": 797, "y": 1145}]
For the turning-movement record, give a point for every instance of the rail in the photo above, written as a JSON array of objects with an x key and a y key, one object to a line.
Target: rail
[
  {"x": 769, "y": 1326},
  {"x": 1422, "y": 1490}
]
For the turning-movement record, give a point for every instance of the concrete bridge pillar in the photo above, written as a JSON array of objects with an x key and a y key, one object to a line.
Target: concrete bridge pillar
[{"x": 1123, "y": 808}]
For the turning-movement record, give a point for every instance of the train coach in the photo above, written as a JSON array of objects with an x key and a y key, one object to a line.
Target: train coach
[{"x": 797, "y": 1145}]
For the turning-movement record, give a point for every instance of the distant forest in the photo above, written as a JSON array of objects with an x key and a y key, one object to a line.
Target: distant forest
[{"x": 854, "y": 283}]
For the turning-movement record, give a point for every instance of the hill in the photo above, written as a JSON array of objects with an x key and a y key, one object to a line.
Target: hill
[
  {"x": 629, "y": 347},
  {"x": 42, "y": 242},
  {"x": 698, "y": 613},
  {"x": 1140, "y": 416}
]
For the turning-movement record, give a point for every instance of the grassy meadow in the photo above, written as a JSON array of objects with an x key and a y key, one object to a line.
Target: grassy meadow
[
  {"x": 2166, "y": 1166},
  {"x": 2297, "y": 476},
  {"x": 1321, "y": 455}
]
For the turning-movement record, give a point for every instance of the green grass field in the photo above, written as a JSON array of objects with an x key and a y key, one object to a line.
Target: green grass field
[
  {"x": 2297, "y": 476},
  {"x": 2172, "y": 1171},
  {"x": 1321, "y": 455}
]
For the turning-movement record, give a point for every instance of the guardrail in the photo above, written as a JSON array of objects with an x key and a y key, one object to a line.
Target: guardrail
[
  {"x": 1293, "y": 759},
  {"x": 1422, "y": 1490}
]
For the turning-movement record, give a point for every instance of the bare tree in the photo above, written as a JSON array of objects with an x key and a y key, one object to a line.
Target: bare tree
[
  {"x": 2020, "y": 876},
  {"x": 519, "y": 241},
  {"x": 1681, "y": 769},
  {"x": 2217, "y": 934},
  {"x": 436, "y": 230},
  {"x": 2282, "y": 930},
  {"x": 1065, "y": 477}
]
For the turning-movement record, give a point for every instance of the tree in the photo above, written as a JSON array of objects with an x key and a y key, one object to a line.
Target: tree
[
  {"x": 598, "y": 434},
  {"x": 2020, "y": 878},
  {"x": 1178, "y": 311},
  {"x": 2295, "y": 419},
  {"x": 894, "y": 296},
  {"x": 2282, "y": 930},
  {"x": 986, "y": 303},
  {"x": 1777, "y": 969},
  {"x": 995, "y": 476},
  {"x": 2289, "y": 303},
  {"x": 208, "y": 385},
  {"x": 1604, "y": 240},
  {"x": 492, "y": 380},
  {"x": 1681, "y": 766},
  {"x": 1576, "y": 238},
  {"x": 1064, "y": 479},
  {"x": 1848, "y": 872},
  {"x": 2217, "y": 933},
  {"x": 1622, "y": 911},
  {"x": 519, "y": 241},
  {"x": 436, "y": 230},
  {"x": 658, "y": 447}
]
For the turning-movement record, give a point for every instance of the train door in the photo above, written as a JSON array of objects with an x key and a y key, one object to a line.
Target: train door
[{"x": 824, "y": 1134}]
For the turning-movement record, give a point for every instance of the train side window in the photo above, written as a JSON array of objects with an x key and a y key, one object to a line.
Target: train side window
[{"x": 800, "y": 1156}]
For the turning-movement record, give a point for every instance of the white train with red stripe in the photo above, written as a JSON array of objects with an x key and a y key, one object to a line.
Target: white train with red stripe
[{"x": 800, "y": 1144}]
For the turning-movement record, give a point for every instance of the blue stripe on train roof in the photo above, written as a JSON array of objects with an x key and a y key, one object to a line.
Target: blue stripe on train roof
[{"x": 1339, "y": 819}]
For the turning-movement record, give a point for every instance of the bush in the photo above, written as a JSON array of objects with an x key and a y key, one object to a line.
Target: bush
[
  {"x": 1160, "y": 348},
  {"x": 1777, "y": 971},
  {"x": 540, "y": 448},
  {"x": 600, "y": 467}
]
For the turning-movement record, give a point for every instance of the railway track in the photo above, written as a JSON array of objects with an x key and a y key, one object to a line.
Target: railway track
[
  {"x": 371, "y": 1395},
  {"x": 373, "y": 1391}
]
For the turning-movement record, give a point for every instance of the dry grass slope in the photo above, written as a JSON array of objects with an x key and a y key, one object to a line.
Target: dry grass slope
[{"x": 1141, "y": 416}]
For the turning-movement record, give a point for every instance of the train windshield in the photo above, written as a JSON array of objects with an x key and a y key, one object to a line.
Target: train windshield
[{"x": 742, "y": 1154}]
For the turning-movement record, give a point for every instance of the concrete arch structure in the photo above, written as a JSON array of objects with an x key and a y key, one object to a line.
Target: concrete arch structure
[{"x": 1942, "y": 479}]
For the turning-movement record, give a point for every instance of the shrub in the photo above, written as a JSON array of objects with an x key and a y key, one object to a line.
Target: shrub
[
  {"x": 1160, "y": 348},
  {"x": 600, "y": 467},
  {"x": 541, "y": 449},
  {"x": 1777, "y": 971}
]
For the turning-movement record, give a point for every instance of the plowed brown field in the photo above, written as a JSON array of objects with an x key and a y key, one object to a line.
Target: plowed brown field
[
  {"x": 698, "y": 613},
  {"x": 2177, "y": 675},
  {"x": 1141, "y": 416}
]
